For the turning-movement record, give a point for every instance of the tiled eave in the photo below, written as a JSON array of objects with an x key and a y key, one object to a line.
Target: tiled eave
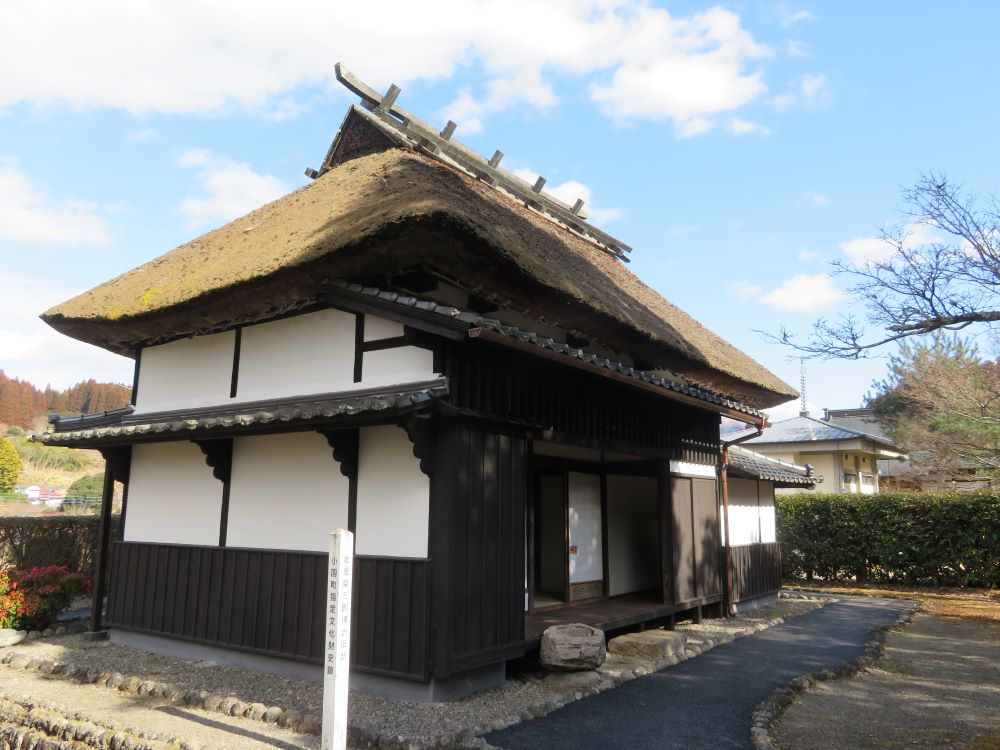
[
  {"x": 305, "y": 410},
  {"x": 758, "y": 466}
]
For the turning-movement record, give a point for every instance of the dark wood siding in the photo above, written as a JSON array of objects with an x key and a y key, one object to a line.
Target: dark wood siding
[
  {"x": 271, "y": 602},
  {"x": 577, "y": 407},
  {"x": 478, "y": 491},
  {"x": 756, "y": 570},
  {"x": 391, "y": 616},
  {"x": 695, "y": 536}
]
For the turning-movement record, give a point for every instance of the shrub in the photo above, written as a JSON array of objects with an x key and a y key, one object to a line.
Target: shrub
[
  {"x": 10, "y": 466},
  {"x": 11, "y": 600},
  {"x": 941, "y": 538},
  {"x": 30, "y": 600},
  {"x": 33, "y": 541},
  {"x": 86, "y": 488}
]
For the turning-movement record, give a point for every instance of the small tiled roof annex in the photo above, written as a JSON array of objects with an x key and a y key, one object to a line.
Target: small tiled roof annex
[{"x": 759, "y": 466}]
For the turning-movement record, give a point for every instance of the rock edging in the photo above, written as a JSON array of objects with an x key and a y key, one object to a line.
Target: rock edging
[
  {"x": 135, "y": 685},
  {"x": 768, "y": 711}
]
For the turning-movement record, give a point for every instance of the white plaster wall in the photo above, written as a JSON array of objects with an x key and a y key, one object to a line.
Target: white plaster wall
[
  {"x": 300, "y": 355},
  {"x": 402, "y": 364},
  {"x": 633, "y": 534},
  {"x": 585, "y": 527},
  {"x": 744, "y": 517},
  {"x": 393, "y": 495},
  {"x": 186, "y": 373},
  {"x": 172, "y": 496},
  {"x": 379, "y": 328},
  {"x": 768, "y": 525},
  {"x": 287, "y": 492}
]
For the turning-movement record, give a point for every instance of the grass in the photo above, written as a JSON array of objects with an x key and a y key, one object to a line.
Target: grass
[{"x": 971, "y": 604}]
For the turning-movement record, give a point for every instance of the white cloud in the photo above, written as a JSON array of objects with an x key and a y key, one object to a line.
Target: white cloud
[
  {"x": 796, "y": 48},
  {"x": 231, "y": 188},
  {"x": 820, "y": 199},
  {"x": 636, "y": 59},
  {"x": 744, "y": 290},
  {"x": 743, "y": 127},
  {"x": 33, "y": 351},
  {"x": 788, "y": 17},
  {"x": 862, "y": 249},
  {"x": 809, "y": 91},
  {"x": 144, "y": 134},
  {"x": 791, "y": 409},
  {"x": 804, "y": 292},
  {"x": 805, "y": 256},
  {"x": 28, "y": 214},
  {"x": 692, "y": 127},
  {"x": 568, "y": 192},
  {"x": 873, "y": 249}
]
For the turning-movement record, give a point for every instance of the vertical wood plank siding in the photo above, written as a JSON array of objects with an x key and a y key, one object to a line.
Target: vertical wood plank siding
[
  {"x": 756, "y": 570},
  {"x": 586, "y": 408},
  {"x": 271, "y": 602},
  {"x": 478, "y": 491},
  {"x": 695, "y": 539}
]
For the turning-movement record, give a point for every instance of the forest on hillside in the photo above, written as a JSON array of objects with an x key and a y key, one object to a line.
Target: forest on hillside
[{"x": 22, "y": 402}]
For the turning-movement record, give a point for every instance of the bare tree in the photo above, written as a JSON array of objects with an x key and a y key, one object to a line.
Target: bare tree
[{"x": 920, "y": 288}]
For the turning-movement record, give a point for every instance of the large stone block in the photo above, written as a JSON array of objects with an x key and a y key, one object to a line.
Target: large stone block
[
  {"x": 649, "y": 644},
  {"x": 572, "y": 648}
]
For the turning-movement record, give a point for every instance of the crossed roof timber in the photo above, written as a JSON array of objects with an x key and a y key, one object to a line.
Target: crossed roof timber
[{"x": 441, "y": 146}]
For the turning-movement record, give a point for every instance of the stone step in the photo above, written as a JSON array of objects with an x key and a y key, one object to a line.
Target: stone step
[{"x": 649, "y": 644}]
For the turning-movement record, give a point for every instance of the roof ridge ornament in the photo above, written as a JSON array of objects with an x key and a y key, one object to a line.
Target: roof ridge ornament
[{"x": 441, "y": 145}]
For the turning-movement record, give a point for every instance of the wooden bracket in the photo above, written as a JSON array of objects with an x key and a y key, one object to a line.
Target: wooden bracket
[
  {"x": 119, "y": 461},
  {"x": 345, "y": 450},
  {"x": 219, "y": 457},
  {"x": 421, "y": 436}
]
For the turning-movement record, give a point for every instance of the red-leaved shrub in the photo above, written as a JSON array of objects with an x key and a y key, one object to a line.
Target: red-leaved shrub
[{"x": 31, "y": 599}]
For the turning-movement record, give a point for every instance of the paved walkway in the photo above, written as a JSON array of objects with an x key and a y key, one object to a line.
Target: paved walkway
[{"x": 706, "y": 702}]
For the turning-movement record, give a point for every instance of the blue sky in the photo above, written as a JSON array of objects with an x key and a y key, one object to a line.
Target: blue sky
[{"x": 739, "y": 148}]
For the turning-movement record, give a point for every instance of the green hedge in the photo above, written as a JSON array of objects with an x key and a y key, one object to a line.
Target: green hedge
[
  {"x": 30, "y": 542},
  {"x": 941, "y": 538}
]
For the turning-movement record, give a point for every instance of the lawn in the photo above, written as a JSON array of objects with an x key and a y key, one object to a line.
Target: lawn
[{"x": 972, "y": 604}]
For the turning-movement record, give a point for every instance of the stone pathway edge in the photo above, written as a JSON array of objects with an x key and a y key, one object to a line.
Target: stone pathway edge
[{"x": 767, "y": 713}]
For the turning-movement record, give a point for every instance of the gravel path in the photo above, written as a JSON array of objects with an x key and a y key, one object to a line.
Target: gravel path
[
  {"x": 525, "y": 697},
  {"x": 706, "y": 702},
  {"x": 938, "y": 685},
  {"x": 113, "y": 709}
]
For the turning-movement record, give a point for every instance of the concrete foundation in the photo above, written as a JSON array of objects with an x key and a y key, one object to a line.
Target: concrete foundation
[
  {"x": 760, "y": 602},
  {"x": 437, "y": 690}
]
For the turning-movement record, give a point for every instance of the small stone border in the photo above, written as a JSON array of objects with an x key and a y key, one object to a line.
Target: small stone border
[
  {"x": 768, "y": 711},
  {"x": 569, "y": 687},
  {"x": 26, "y": 724}
]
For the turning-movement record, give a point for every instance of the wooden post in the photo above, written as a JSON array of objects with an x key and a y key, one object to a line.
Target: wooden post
[
  {"x": 337, "y": 660},
  {"x": 101, "y": 566}
]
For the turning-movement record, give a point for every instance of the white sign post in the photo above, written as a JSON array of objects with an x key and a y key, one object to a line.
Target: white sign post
[{"x": 337, "y": 660}]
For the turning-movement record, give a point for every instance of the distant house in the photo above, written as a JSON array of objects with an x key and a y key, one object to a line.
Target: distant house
[
  {"x": 426, "y": 350},
  {"x": 839, "y": 447}
]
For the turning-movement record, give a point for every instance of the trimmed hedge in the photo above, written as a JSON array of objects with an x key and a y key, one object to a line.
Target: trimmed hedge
[
  {"x": 941, "y": 538},
  {"x": 33, "y": 542}
]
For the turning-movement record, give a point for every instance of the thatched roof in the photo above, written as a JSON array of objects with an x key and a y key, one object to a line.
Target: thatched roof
[{"x": 383, "y": 208}]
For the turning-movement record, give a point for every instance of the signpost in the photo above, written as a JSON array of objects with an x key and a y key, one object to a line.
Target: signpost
[{"x": 337, "y": 660}]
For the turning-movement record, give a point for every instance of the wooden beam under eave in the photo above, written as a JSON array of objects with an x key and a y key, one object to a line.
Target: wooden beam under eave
[{"x": 484, "y": 334}]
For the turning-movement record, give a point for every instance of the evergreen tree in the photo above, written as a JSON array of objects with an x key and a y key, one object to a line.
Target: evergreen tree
[{"x": 10, "y": 466}]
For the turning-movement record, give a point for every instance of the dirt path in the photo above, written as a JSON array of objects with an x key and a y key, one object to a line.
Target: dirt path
[
  {"x": 113, "y": 709},
  {"x": 937, "y": 686}
]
